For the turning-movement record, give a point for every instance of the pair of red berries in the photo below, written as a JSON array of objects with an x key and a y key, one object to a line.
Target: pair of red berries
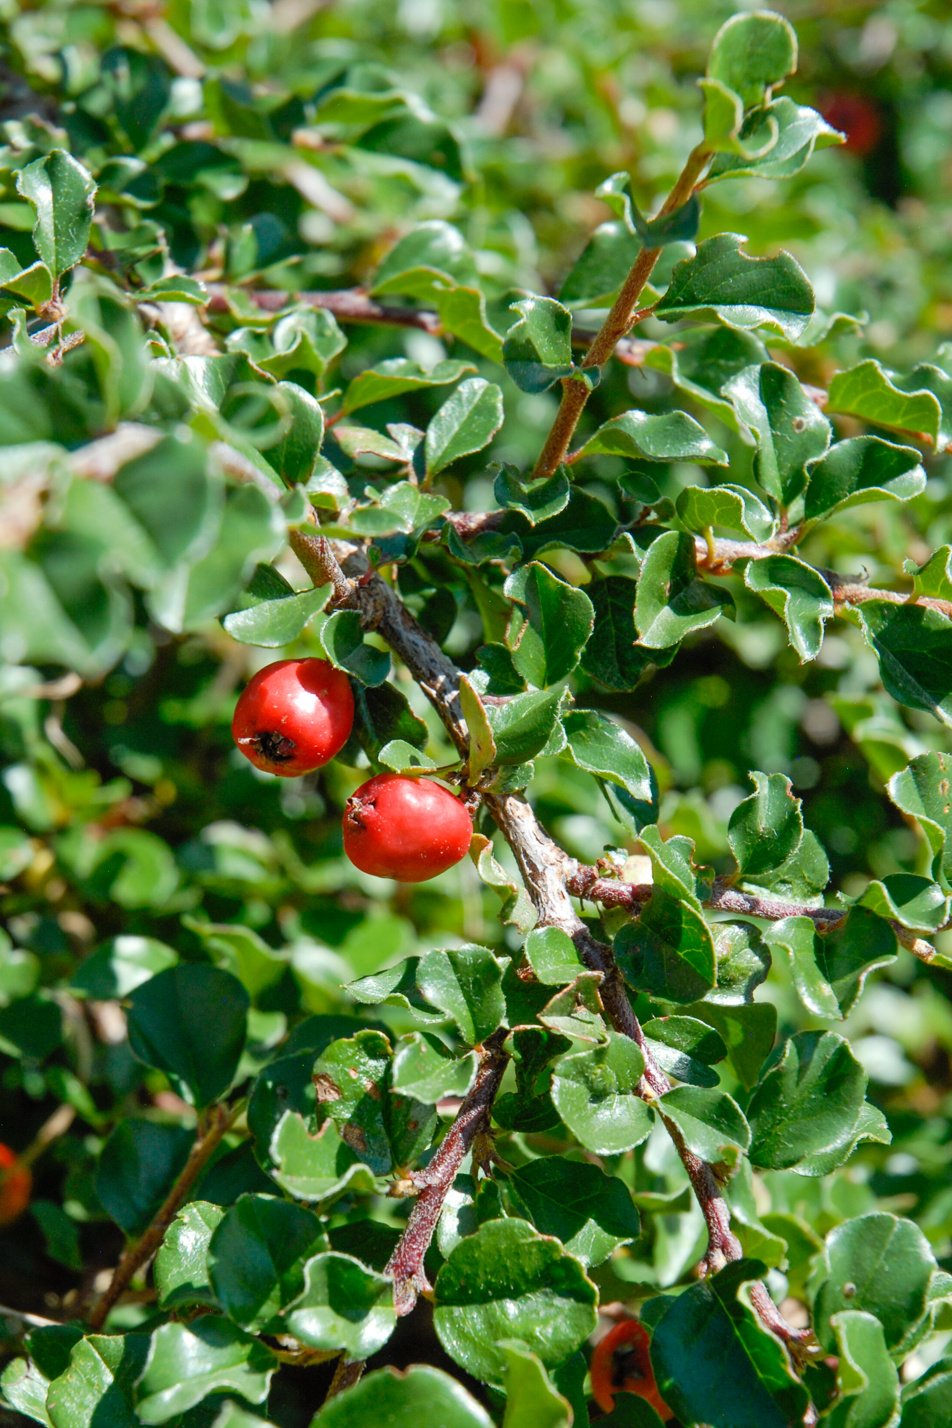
[{"x": 294, "y": 716}]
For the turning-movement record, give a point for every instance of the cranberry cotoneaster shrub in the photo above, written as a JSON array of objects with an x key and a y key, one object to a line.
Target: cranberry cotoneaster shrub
[{"x": 334, "y": 338}]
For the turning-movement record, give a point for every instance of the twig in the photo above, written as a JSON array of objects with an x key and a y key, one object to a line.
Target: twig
[
  {"x": 347, "y": 304},
  {"x": 141, "y": 1250},
  {"x": 575, "y": 393}
]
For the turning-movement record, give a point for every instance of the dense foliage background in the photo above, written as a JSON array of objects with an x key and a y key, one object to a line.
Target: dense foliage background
[{"x": 185, "y": 945}]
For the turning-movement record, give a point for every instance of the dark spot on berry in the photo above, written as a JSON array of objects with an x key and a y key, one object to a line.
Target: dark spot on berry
[{"x": 276, "y": 748}]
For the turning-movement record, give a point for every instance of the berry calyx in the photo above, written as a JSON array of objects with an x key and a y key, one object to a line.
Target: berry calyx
[
  {"x": 16, "y": 1182},
  {"x": 294, "y": 716},
  {"x": 405, "y": 828},
  {"x": 621, "y": 1364}
]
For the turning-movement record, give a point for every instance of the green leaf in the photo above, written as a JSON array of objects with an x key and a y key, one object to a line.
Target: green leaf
[
  {"x": 466, "y": 422},
  {"x": 766, "y": 828},
  {"x": 181, "y": 1265},
  {"x": 672, "y": 864},
  {"x": 508, "y": 1282},
  {"x": 878, "y": 1264},
  {"x": 350, "y": 1078},
  {"x": 601, "y": 267},
  {"x": 668, "y": 951},
  {"x": 424, "y": 1070},
  {"x": 668, "y": 436},
  {"x": 796, "y": 592},
  {"x": 549, "y": 626},
  {"x": 774, "y": 142},
  {"x": 120, "y": 965},
  {"x": 187, "y": 1362},
  {"x": 523, "y": 725},
  {"x": 482, "y": 745},
  {"x": 935, "y": 576},
  {"x": 466, "y": 984},
  {"x": 928, "y": 1400},
  {"x": 807, "y": 1103},
  {"x": 747, "y": 292},
  {"x": 256, "y": 1259},
  {"x": 397, "y": 375},
  {"x": 531, "y": 1398},
  {"x": 537, "y": 350},
  {"x": 295, "y": 455},
  {"x": 61, "y": 192},
  {"x": 384, "y": 715},
  {"x": 922, "y": 790},
  {"x": 711, "y": 1122},
  {"x": 868, "y": 1380},
  {"x": 602, "y": 747},
  {"x": 730, "y": 508},
  {"x": 342, "y": 636},
  {"x": 590, "y": 1212},
  {"x": 846, "y": 954},
  {"x": 678, "y": 226},
  {"x": 316, "y": 1167},
  {"x": 789, "y": 428},
  {"x": 914, "y": 646},
  {"x": 137, "y": 1167},
  {"x": 863, "y": 469},
  {"x": 418, "y": 1395},
  {"x": 715, "y": 1362},
  {"x": 867, "y": 391},
  {"x": 672, "y": 602},
  {"x": 98, "y": 1384},
  {"x": 343, "y": 1306},
  {"x": 553, "y": 956},
  {"x": 191, "y": 1022},
  {"x": 536, "y": 500},
  {"x": 594, "y": 1092},
  {"x": 914, "y": 902},
  {"x": 752, "y": 53},
  {"x": 612, "y": 655},
  {"x": 276, "y": 622}
]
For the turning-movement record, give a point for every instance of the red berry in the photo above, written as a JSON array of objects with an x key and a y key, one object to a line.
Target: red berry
[
  {"x": 294, "y": 716},
  {"x": 405, "y": 828},
  {"x": 621, "y": 1364},
  {"x": 16, "y": 1183},
  {"x": 857, "y": 117}
]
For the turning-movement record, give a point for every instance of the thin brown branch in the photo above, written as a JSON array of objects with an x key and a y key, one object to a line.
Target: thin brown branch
[
  {"x": 346, "y": 304},
  {"x": 140, "y": 1251},
  {"x": 616, "y": 326}
]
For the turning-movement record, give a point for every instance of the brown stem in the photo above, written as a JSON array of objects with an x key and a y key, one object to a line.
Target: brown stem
[
  {"x": 347, "y": 304},
  {"x": 141, "y": 1250},
  {"x": 616, "y": 325},
  {"x": 405, "y": 1266}
]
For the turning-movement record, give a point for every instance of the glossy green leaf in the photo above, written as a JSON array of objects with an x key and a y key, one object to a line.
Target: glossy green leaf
[
  {"x": 61, "y": 192},
  {"x": 508, "y": 1282},
  {"x": 867, "y": 391},
  {"x": 538, "y": 347},
  {"x": 807, "y": 1103},
  {"x": 466, "y": 422},
  {"x": 729, "y": 508},
  {"x": 532, "y": 1400},
  {"x": 466, "y": 984},
  {"x": 181, "y": 1265},
  {"x": 277, "y": 622},
  {"x": 397, "y": 375},
  {"x": 590, "y": 1212},
  {"x": 418, "y": 1394},
  {"x": 120, "y": 965},
  {"x": 549, "y": 626},
  {"x": 342, "y": 636},
  {"x": 928, "y": 1400},
  {"x": 98, "y": 1385},
  {"x": 789, "y": 429},
  {"x": 423, "y": 1070},
  {"x": 601, "y": 267},
  {"x": 137, "y": 1168},
  {"x": 668, "y": 951},
  {"x": 715, "y": 1362},
  {"x": 914, "y": 902},
  {"x": 523, "y": 725},
  {"x": 602, "y": 747},
  {"x": 862, "y": 469},
  {"x": 775, "y": 142},
  {"x": 594, "y": 1093},
  {"x": 187, "y": 1362},
  {"x": 343, "y": 1306},
  {"x": 868, "y": 1381},
  {"x": 722, "y": 281},
  {"x": 752, "y": 53},
  {"x": 878, "y": 1264},
  {"x": 667, "y": 436},
  {"x": 765, "y": 828},
  {"x": 914, "y": 646},
  {"x": 672, "y": 602},
  {"x": 711, "y": 1122},
  {"x": 318, "y": 1166},
  {"x": 612, "y": 655},
  {"x": 256, "y": 1258},
  {"x": 191, "y": 1022},
  {"x": 796, "y": 592},
  {"x": 921, "y": 790},
  {"x": 536, "y": 500}
]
